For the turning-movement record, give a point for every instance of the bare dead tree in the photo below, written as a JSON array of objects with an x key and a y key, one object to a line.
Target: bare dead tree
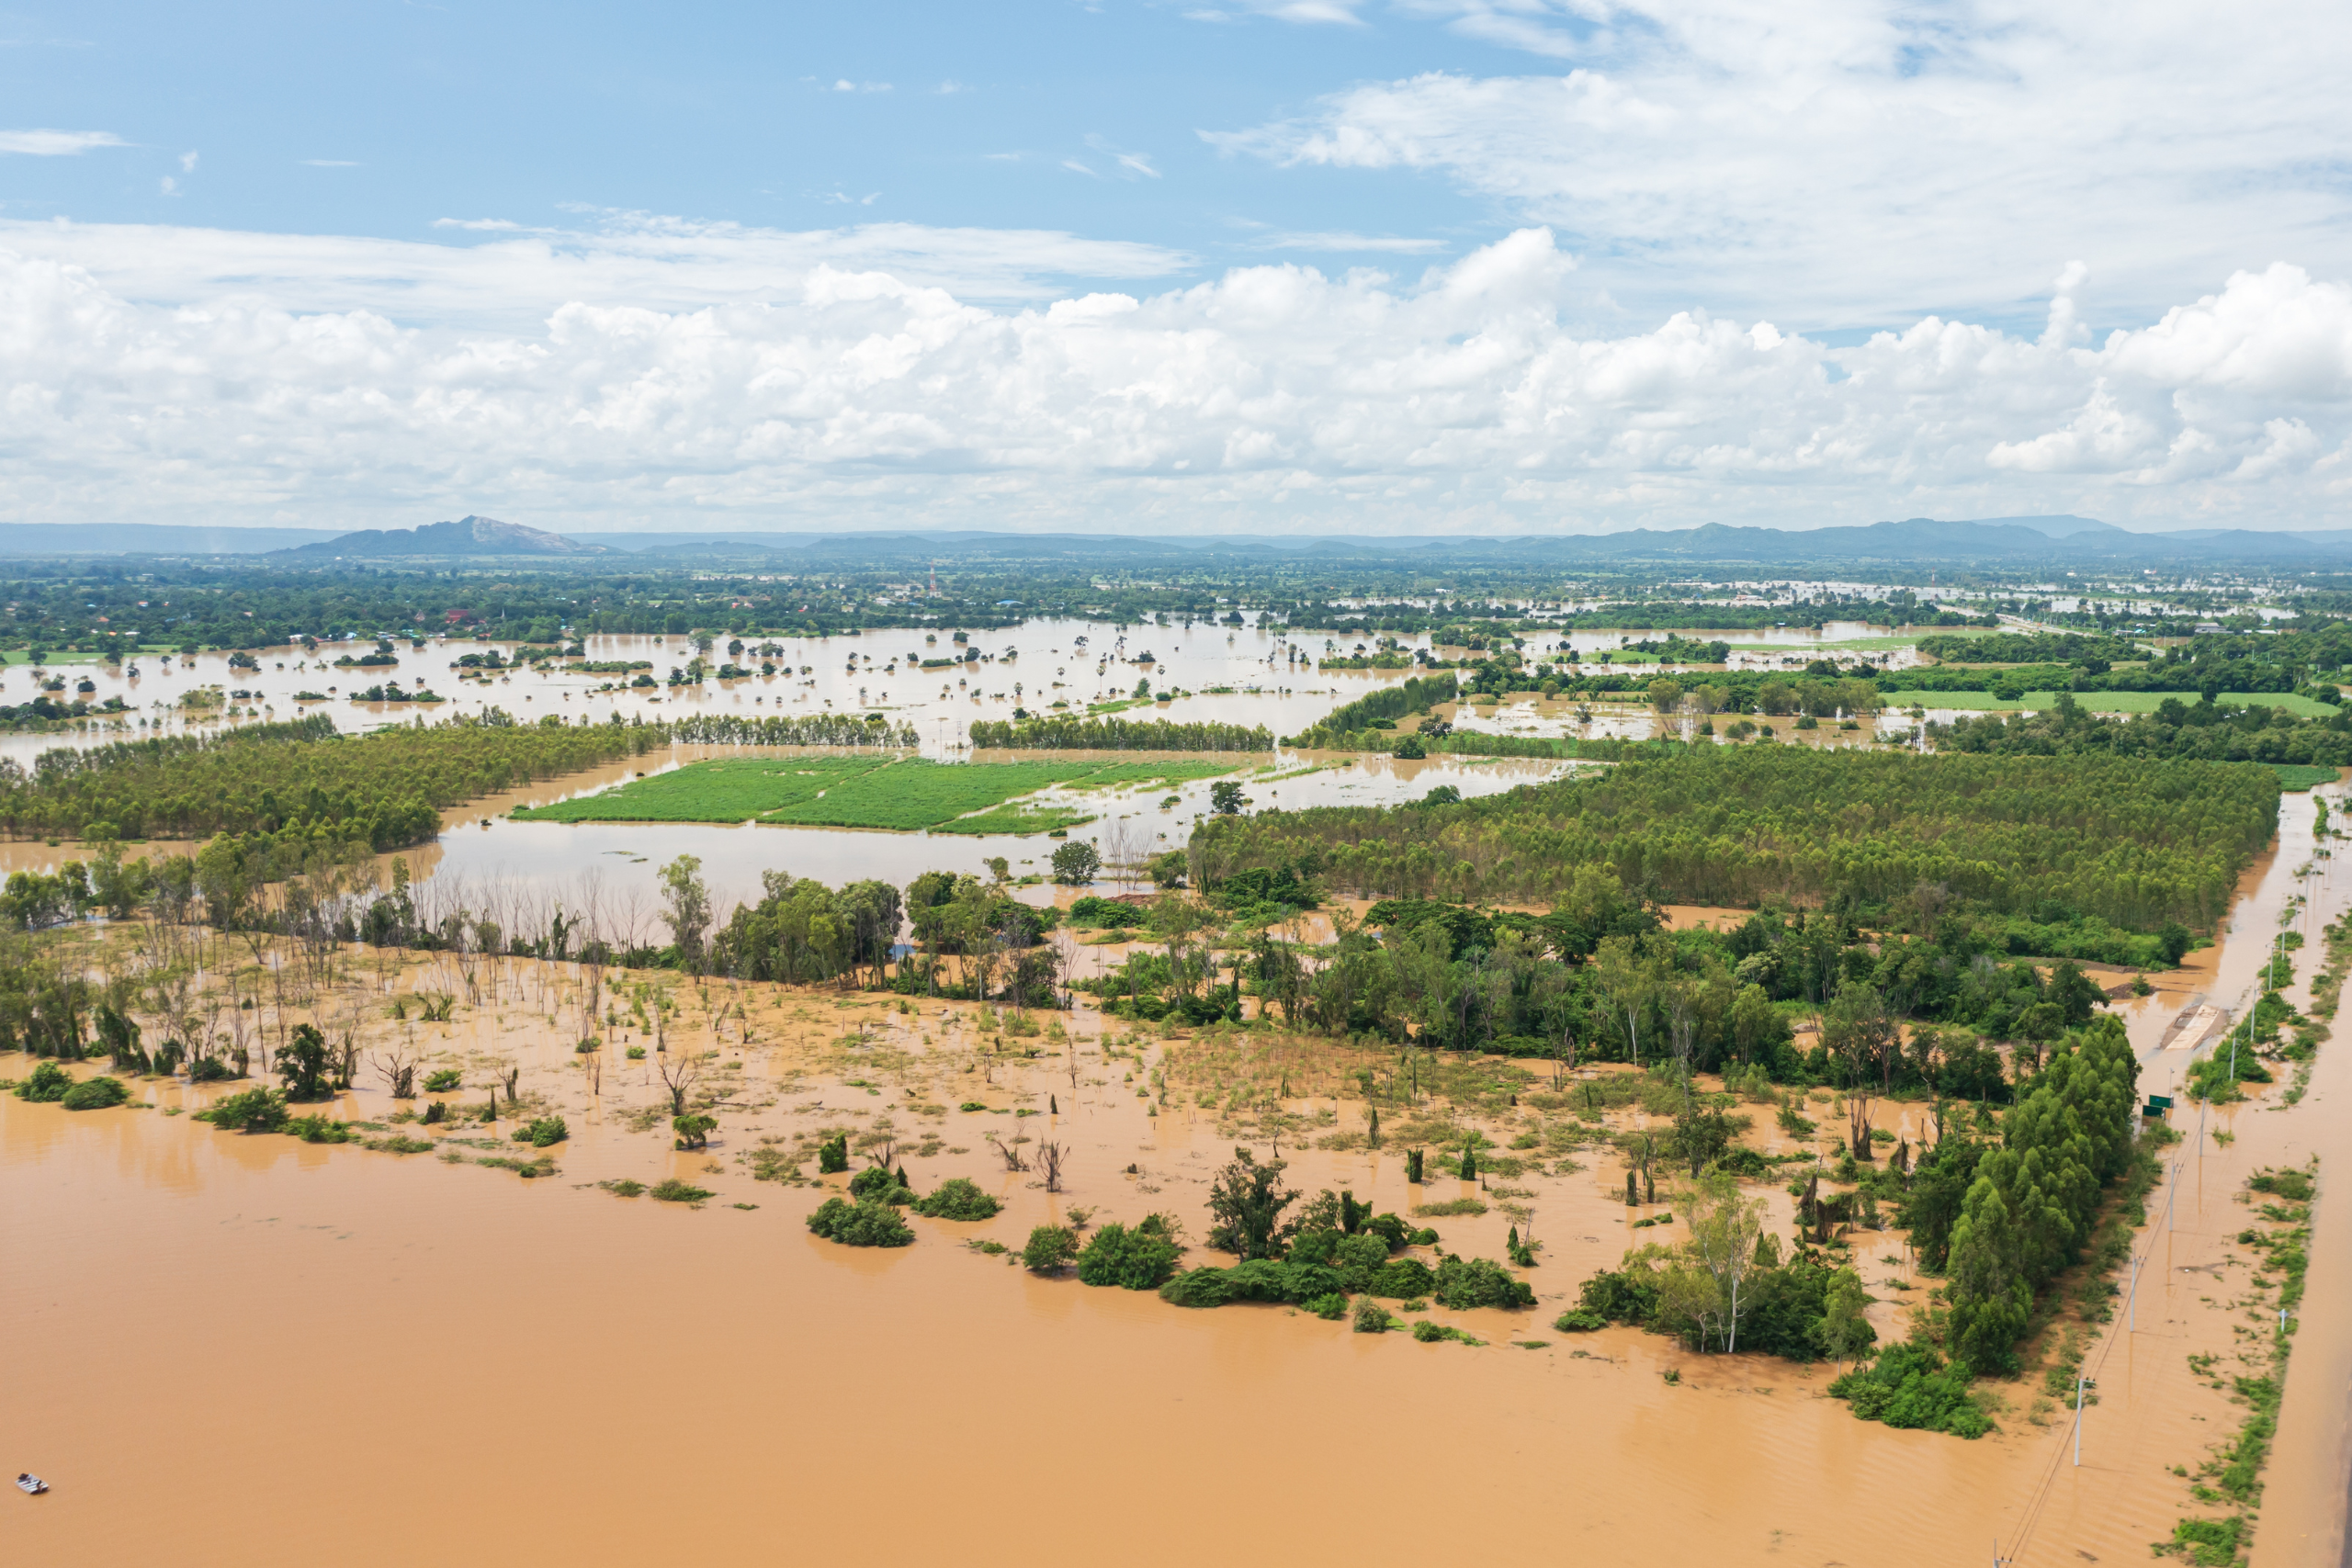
[
  {"x": 1050, "y": 1157},
  {"x": 1011, "y": 1152},
  {"x": 679, "y": 1075},
  {"x": 398, "y": 1066},
  {"x": 1858, "y": 1119}
]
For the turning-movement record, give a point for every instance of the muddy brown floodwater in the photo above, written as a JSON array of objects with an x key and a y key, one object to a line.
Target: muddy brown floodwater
[{"x": 250, "y": 1351}]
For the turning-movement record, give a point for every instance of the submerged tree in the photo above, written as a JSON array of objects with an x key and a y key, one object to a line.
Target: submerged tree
[{"x": 1247, "y": 1203}]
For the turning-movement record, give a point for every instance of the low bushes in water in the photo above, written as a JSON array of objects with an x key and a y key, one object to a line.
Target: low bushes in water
[
  {"x": 1371, "y": 1317},
  {"x": 1576, "y": 1320},
  {"x": 545, "y": 1133},
  {"x": 693, "y": 1130},
  {"x": 673, "y": 1190},
  {"x": 1259, "y": 1279},
  {"x": 1430, "y": 1332},
  {"x": 878, "y": 1184},
  {"x": 1135, "y": 1259},
  {"x": 49, "y": 1083},
  {"x": 1908, "y": 1385},
  {"x": 320, "y": 1129},
  {"x": 255, "y": 1110},
  {"x": 444, "y": 1081},
  {"x": 867, "y": 1222},
  {"x": 1357, "y": 1258},
  {"x": 1464, "y": 1282},
  {"x": 958, "y": 1198},
  {"x": 1402, "y": 1278},
  {"x": 833, "y": 1156},
  {"x": 1050, "y": 1249},
  {"x": 95, "y": 1094}
]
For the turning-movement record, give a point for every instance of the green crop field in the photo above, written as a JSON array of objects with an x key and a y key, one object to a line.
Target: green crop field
[
  {"x": 1123, "y": 775},
  {"x": 2301, "y": 775},
  {"x": 732, "y": 790},
  {"x": 905, "y": 794},
  {"x": 1018, "y": 818}
]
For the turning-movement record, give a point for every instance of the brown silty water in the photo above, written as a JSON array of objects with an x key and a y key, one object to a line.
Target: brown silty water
[{"x": 251, "y": 1350}]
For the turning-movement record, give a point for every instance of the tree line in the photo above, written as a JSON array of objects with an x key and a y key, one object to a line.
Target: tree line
[{"x": 1115, "y": 734}]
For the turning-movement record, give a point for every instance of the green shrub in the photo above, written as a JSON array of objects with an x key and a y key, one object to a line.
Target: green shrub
[
  {"x": 876, "y": 1184},
  {"x": 319, "y": 1129},
  {"x": 958, "y": 1198},
  {"x": 833, "y": 1156},
  {"x": 545, "y": 1133},
  {"x": 1051, "y": 1249},
  {"x": 2208, "y": 1543},
  {"x": 864, "y": 1224},
  {"x": 1198, "y": 1288},
  {"x": 2293, "y": 1185},
  {"x": 443, "y": 1081},
  {"x": 1464, "y": 1282},
  {"x": 1259, "y": 1279},
  {"x": 1128, "y": 1258},
  {"x": 1430, "y": 1332},
  {"x": 673, "y": 1190},
  {"x": 1908, "y": 1385},
  {"x": 636, "y": 1053},
  {"x": 1620, "y": 1296},
  {"x": 49, "y": 1083},
  {"x": 256, "y": 1110},
  {"x": 1330, "y": 1308},
  {"x": 693, "y": 1130},
  {"x": 623, "y": 1187},
  {"x": 95, "y": 1094},
  {"x": 1402, "y": 1278},
  {"x": 1371, "y": 1317},
  {"x": 1357, "y": 1258},
  {"x": 1576, "y": 1320},
  {"x": 1391, "y": 1229}
]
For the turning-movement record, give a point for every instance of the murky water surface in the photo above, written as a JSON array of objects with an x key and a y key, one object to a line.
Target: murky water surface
[{"x": 254, "y": 1352}]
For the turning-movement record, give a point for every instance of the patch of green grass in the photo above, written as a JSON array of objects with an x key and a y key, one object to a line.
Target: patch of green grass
[
  {"x": 1020, "y": 820},
  {"x": 734, "y": 789},
  {"x": 673, "y": 1190},
  {"x": 2302, "y": 775},
  {"x": 917, "y": 793}
]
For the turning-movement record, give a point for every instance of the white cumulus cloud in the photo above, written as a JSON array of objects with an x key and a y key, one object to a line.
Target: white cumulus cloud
[
  {"x": 837, "y": 392},
  {"x": 1866, "y": 161}
]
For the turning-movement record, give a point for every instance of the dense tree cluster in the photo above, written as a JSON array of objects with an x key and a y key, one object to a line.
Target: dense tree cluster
[
  {"x": 302, "y": 780},
  {"x": 2135, "y": 842}
]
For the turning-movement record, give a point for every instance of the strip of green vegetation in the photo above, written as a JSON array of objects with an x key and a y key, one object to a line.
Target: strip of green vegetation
[
  {"x": 1018, "y": 818},
  {"x": 2232, "y": 1474},
  {"x": 2104, "y": 702},
  {"x": 1120, "y": 775},
  {"x": 734, "y": 789}
]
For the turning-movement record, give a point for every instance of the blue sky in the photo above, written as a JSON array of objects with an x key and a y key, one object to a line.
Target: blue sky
[
  {"x": 1485, "y": 266},
  {"x": 382, "y": 118}
]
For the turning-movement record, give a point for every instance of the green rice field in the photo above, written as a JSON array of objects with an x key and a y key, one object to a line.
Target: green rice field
[{"x": 908, "y": 795}]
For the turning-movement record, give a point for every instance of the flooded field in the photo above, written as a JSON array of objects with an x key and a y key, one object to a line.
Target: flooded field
[
  {"x": 1238, "y": 675},
  {"x": 251, "y": 1350}
]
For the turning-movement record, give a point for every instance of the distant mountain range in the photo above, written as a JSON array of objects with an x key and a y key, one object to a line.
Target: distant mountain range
[
  {"x": 466, "y": 537},
  {"x": 2058, "y": 542}
]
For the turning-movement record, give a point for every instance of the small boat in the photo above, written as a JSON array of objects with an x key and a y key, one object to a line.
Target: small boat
[{"x": 31, "y": 1485}]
